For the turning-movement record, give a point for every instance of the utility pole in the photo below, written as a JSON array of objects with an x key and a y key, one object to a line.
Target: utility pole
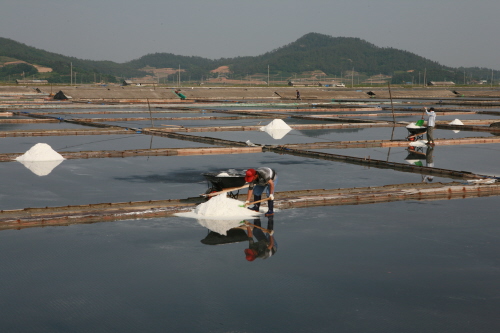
[
  {"x": 268, "y": 75},
  {"x": 71, "y": 74},
  {"x": 352, "y": 78}
]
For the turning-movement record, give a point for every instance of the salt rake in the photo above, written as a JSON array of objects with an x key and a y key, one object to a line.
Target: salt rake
[
  {"x": 224, "y": 191},
  {"x": 251, "y": 203}
]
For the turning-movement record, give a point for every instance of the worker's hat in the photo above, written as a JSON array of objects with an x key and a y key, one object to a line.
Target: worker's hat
[{"x": 249, "y": 175}]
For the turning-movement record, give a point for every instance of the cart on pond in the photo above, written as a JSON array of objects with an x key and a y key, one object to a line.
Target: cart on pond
[
  {"x": 222, "y": 180},
  {"x": 415, "y": 132}
]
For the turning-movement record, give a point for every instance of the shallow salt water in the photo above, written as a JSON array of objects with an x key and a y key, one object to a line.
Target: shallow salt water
[
  {"x": 173, "y": 177},
  {"x": 409, "y": 266},
  {"x": 405, "y": 266}
]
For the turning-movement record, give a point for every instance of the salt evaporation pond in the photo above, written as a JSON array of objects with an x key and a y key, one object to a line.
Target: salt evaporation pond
[
  {"x": 403, "y": 266},
  {"x": 95, "y": 142},
  {"x": 328, "y": 135},
  {"x": 409, "y": 266},
  {"x": 173, "y": 177}
]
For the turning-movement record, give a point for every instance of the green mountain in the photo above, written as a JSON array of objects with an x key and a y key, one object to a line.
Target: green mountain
[
  {"x": 11, "y": 50},
  {"x": 333, "y": 56}
]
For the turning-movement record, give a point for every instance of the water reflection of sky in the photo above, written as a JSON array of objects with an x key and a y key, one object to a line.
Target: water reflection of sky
[
  {"x": 172, "y": 177},
  {"x": 331, "y": 135},
  {"x": 407, "y": 266},
  {"x": 93, "y": 142},
  {"x": 402, "y": 266},
  {"x": 481, "y": 159}
]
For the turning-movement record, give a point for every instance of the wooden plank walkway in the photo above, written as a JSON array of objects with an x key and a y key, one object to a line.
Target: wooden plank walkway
[
  {"x": 257, "y": 127},
  {"x": 404, "y": 167},
  {"x": 28, "y": 121},
  {"x": 66, "y": 132},
  {"x": 169, "y": 118},
  {"x": 105, "y": 212},
  {"x": 146, "y": 152},
  {"x": 387, "y": 143}
]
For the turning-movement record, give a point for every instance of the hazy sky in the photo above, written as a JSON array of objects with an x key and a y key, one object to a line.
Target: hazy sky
[{"x": 452, "y": 32}]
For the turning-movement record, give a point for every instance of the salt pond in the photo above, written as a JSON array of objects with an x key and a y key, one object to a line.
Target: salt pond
[
  {"x": 410, "y": 266},
  {"x": 391, "y": 267}
]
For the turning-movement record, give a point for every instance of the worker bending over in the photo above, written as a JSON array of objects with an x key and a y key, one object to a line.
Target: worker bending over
[{"x": 260, "y": 180}]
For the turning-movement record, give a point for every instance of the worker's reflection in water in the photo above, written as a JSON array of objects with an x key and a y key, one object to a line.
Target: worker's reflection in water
[
  {"x": 429, "y": 162},
  {"x": 264, "y": 245}
]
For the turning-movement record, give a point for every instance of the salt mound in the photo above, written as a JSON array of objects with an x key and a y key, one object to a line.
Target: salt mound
[
  {"x": 276, "y": 124},
  {"x": 414, "y": 125},
  {"x": 220, "y": 213},
  {"x": 250, "y": 143},
  {"x": 222, "y": 206},
  {"x": 415, "y": 162},
  {"x": 456, "y": 122},
  {"x": 40, "y": 152},
  {"x": 277, "y": 129},
  {"x": 481, "y": 181},
  {"x": 223, "y": 174}
]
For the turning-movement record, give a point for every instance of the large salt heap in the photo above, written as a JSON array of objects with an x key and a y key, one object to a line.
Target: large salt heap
[
  {"x": 277, "y": 129},
  {"x": 220, "y": 213},
  {"x": 40, "y": 152},
  {"x": 41, "y": 159}
]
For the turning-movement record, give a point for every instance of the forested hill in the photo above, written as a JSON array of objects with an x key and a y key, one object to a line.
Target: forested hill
[
  {"x": 334, "y": 56},
  {"x": 11, "y": 50}
]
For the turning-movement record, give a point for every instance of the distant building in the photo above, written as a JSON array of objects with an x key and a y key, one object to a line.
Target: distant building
[
  {"x": 138, "y": 83},
  {"x": 441, "y": 83},
  {"x": 32, "y": 82}
]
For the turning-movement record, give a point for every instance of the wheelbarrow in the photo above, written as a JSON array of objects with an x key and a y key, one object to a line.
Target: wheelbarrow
[
  {"x": 222, "y": 180},
  {"x": 415, "y": 132}
]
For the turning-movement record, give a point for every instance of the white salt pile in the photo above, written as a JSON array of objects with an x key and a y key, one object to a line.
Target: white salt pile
[
  {"x": 40, "y": 152},
  {"x": 223, "y": 174},
  {"x": 456, "y": 122},
  {"x": 277, "y": 129},
  {"x": 220, "y": 213},
  {"x": 414, "y": 125},
  {"x": 250, "y": 143},
  {"x": 222, "y": 206},
  {"x": 481, "y": 181},
  {"x": 41, "y": 159},
  {"x": 415, "y": 162}
]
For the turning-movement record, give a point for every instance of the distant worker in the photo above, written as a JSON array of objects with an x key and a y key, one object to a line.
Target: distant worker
[
  {"x": 298, "y": 94},
  {"x": 261, "y": 179},
  {"x": 431, "y": 123}
]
